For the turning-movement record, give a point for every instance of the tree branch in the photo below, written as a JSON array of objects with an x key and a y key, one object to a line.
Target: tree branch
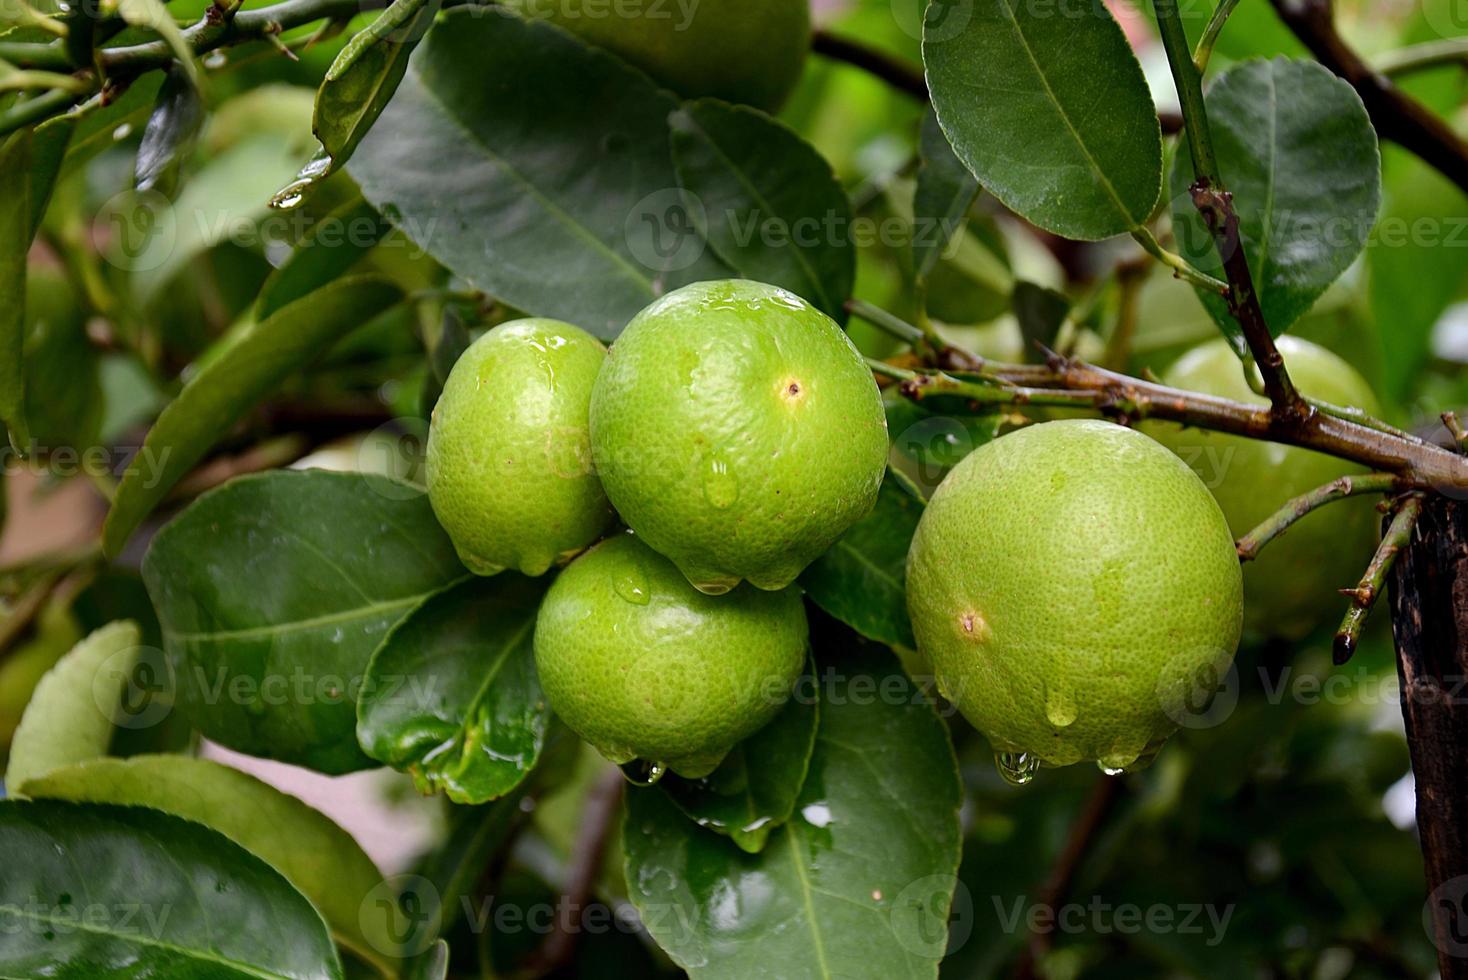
[
  {"x": 892, "y": 70},
  {"x": 1215, "y": 204},
  {"x": 1397, "y": 117},
  {"x": 1363, "y": 596},
  {"x": 1281, "y": 520}
]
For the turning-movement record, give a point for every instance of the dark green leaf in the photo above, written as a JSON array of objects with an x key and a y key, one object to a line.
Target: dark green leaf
[
  {"x": 1296, "y": 149},
  {"x": 358, "y": 86},
  {"x": 1050, "y": 112},
  {"x": 64, "y": 399},
  {"x": 769, "y": 204},
  {"x": 170, "y": 131},
  {"x": 91, "y": 890},
  {"x": 274, "y": 590},
  {"x": 15, "y": 243},
  {"x": 861, "y": 579},
  {"x": 1041, "y": 312},
  {"x": 333, "y": 245},
  {"x": 856, "y": 884},
  {"x": 754, "y": 789},
  {"x": 432, "y": 964},
  {"x": 537, "y": 169},
  {"x": 452, "y": 696},
  {"x": 69, "y": 718},
  {"x": 945, "y": 191},
  {"x": 230, "y": 385},
  {"x": 314, "y": 854}
]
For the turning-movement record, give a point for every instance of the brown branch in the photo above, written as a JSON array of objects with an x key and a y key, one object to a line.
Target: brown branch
[
  {"x": 1056, "y": 887},
  {"x": 598, "y": 819},
  {"x": 1363, "y": 596},
  {"x": 1397, "y": 116},
  {"x": 1456, "y": 430}
]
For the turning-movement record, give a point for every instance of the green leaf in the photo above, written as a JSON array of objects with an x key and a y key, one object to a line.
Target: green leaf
[
  {"x": 1050, "y": 112},
  {"x": 432, "y": 964},
  {"x": 358, "y": 86},
  {"x": 1297, "y": 151},
  {"x": 90, "y": 890},
  {"x": 15, "y": 244},
  {"x": 754, "y": 789},
  {"x": 230, "y": 385},
  {"x": 537, "y": 169},
  {"x": 274, "y": 590},
  {"x": 70, "y": 716},
  {"x": 862, "y": 579},
  {"x": 452, "y": 696},
  {"x": 170, "y": 131},
  {"x": 331, "y": 247},
  {"x": 945, "y": 191},
  {"x": 1041, "y": 313},
  {"x": 857, "y": 884},
  {"x": 768, "y": 203},
  {"x": 313, "y": 853}
]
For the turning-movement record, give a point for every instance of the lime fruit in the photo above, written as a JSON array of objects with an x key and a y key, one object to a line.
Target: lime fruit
[
  {"x": 749, "y": 51},
  {"x": 738, "y": 432},
  {"x": 1291, "y": 587},
  {"x": 509, "y": 468},
  {"x": 643, "y": 666},
  {"x": 1076, "y": 589}
]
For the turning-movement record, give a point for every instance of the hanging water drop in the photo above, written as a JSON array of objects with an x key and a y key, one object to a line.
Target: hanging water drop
[
  {"x": 640, "y": 772},
  {"x": 215, "y": 60},
  {"x": 720, "y": 487},
  {"x": 1017, "y": 768},
  {"x": 1060, "y": 707},
  {"x": 1109, "y": 770}
]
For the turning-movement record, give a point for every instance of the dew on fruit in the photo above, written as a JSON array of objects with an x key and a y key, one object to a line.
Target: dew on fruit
[
  {"x": 633, "y": 586},
  {"x": 1109, "y": 770},
  {"x": 640, "y": 772},
  {"x": 1060, "y": 707},
  {"x": 1017, "y": 768},
  {"x": 720, "y": 487}
]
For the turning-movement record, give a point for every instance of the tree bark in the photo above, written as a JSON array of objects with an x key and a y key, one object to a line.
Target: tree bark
[{"x": 1429, "y": 596}]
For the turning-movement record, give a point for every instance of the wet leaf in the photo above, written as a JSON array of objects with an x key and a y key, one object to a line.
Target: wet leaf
[{"x": 170, "y": 131}]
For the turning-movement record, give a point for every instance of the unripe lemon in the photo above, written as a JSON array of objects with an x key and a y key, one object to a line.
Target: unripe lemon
[
  {"x": 738, "y": 432},
  {"x": 643, "y": 666},
  {"x": 1076, "y": 589},
  {"x": 509, "y": 470},
  {"x": 1291, "y": 587},
  {"x": 749, "y": 51}
]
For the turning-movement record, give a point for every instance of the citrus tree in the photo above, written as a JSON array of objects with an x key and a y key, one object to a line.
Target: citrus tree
[{"x": 860, "y": 500}]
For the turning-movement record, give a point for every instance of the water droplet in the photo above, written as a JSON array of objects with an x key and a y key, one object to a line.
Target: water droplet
[
  {"x": 1060, "y": 707},
  {"x": 633, "y": 587},
  {"x": 720, "y": 487},
  {"x": 215, "y": 60},
  {"x": 290, "y": 196},
  {"x": 1121, "y": 758},
  {"x": 1109, "y": 770},
  {"x": 640, "y": 772},
  {"x": 1017, "y": 768},
  {"x": 122, "y": 132},
  {"x": 816, "y": 814}
]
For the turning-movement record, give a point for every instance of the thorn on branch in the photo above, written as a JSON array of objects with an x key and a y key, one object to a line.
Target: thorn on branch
[
  {"x": 1460, "y": 435},
  {"x": 1363, "y": 597}
]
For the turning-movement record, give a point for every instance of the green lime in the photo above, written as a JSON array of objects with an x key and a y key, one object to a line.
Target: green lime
[
  {"x": 1291, "y": 587},
  {"x": 1077, "y": 591},
  {"x": 643, "y": 666},
  {"x": 749, "y": 51},
  {"x": 738, "y": 432},
  {"x": 509, "y": 470}
]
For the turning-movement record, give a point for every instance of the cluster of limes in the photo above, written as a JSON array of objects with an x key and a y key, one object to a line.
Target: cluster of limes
[
  {"x": 1074, "y": 584},
  {"x": 737, "y": 433}
]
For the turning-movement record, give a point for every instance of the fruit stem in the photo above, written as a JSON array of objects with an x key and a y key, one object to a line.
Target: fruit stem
[
  {"x": 1181, "y": 267},
  {"x": 1280, "y": 521},
  {"x": 1215, "y": 204},
  {"x": 1364, "y": 595}
]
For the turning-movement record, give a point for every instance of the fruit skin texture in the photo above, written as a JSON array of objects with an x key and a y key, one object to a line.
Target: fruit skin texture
[
  {"x": 749, "y": 51},
  {"x": 738, "y": 432},
  {"x": 1291, "y": 587},
  {"x": 643, "y": 666},
  {"x": 1077, "y": 590},
  {"x": 509, "y": 472}
]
